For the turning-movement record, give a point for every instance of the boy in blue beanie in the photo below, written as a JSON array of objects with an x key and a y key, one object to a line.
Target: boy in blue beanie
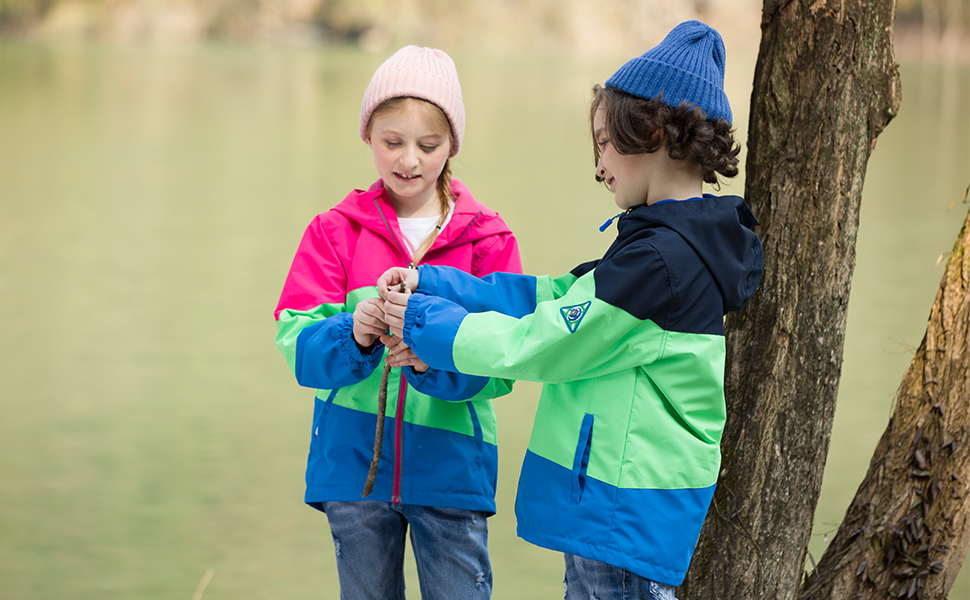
[{"x": 624, "y": 453}]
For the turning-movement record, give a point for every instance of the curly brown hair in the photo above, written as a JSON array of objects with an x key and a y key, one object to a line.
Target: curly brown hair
[{"x": 638, "y": 126}]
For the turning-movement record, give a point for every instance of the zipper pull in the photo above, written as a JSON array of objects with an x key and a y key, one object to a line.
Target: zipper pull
[{"x": 610, "y": 220}]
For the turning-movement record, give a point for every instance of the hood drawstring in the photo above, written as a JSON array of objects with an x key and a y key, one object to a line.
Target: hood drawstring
[{"x": 610, "y": 220}]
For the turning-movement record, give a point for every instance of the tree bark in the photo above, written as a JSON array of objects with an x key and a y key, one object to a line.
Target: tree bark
[
  {"x": 907, "y": 530},
  {"x": 825, "y": 86}
]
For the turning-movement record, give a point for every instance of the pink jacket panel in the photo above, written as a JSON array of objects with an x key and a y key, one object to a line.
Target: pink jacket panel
[{"x": 351, "y": 245}]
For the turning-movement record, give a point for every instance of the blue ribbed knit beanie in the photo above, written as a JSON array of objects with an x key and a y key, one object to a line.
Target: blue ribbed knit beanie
[{"x": 688, "y": 66}]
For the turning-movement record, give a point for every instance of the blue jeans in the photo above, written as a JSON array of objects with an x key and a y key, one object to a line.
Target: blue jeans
[
  {"x": 587, "y": 579},
  {"x": 450, "y": 550}
]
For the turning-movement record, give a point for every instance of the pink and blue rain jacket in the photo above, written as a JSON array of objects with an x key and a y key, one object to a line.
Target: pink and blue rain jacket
[{"x": 439, "y": 444}]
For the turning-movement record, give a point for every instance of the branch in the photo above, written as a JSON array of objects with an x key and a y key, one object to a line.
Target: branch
[{"x": 907, "y": 530}]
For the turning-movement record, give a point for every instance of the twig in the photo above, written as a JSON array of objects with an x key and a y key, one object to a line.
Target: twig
[
  {"x": 200, "y": 589},
  {"x": 379, "y": 430},
  {"x": 958, "y": 199},
  {"x": 378, "y": 433}
]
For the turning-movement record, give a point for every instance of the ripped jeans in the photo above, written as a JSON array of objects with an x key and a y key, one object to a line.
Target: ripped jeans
[
  {"x": 450, "y": 550},
  {"x": 588, "y": 579}
]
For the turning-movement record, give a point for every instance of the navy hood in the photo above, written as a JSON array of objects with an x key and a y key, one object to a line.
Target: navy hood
[{"x": 718, "y": 229}]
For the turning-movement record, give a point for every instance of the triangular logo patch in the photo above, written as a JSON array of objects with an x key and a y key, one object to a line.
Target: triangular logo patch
[{"x": 573, "y": 315}]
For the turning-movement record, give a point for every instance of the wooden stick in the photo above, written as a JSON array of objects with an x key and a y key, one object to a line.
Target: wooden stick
[{"x": 379, "y": 431}]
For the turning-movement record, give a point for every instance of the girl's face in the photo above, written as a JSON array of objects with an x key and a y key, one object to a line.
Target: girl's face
[
  {"x": 410, "y": 150},
  {"x": 627, "y": 175}
]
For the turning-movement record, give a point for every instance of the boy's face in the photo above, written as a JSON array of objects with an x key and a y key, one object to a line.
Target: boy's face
[
  {"x": 410, "y": 152},
  {"x": 627, "y": 175}
]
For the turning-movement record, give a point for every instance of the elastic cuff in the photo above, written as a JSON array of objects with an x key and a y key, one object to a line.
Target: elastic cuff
[
  {"x": 411, "y": 315},
  {"x": 430, "y": 327},
  {"x": 415, "y": 378},
  {"x": 348, "y": 344},
  {"x": 427, "y": 279}
]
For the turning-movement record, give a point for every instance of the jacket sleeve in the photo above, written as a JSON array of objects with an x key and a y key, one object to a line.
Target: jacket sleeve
[
  {"x": 511, "y": 294},
  {"x": 327, "y": 357},
  {"x": 448, "y": 385},
  {"x": 576, "y": 336},
  {"x": 495, "y": 253},
  {"x": 314, "y": 325}
]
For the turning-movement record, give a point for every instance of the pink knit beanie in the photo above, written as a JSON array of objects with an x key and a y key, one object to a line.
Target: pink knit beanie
[{"x": 424, "y": 73}]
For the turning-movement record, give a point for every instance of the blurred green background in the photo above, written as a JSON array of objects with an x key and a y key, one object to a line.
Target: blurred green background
[{"x": 152, "y": 193}]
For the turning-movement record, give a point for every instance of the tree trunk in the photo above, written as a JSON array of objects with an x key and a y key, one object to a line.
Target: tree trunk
[
  {"x": 825, "y": 86},
  {"x": 907, "y": 530}
]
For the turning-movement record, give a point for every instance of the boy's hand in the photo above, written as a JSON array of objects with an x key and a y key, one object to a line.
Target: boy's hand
[
  {"x": 394, "y": 306},
  {"x": 369, "y": 322},
  {"x": 394, "y": 277},
  {"x": 399, "y": 355}
]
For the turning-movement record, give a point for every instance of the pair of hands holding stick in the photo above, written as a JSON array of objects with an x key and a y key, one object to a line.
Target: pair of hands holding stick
[{"x": 375, "y": 317}]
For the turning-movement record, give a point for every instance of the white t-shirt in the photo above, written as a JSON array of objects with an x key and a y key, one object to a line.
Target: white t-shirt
[{"x": 417, "y": 229}]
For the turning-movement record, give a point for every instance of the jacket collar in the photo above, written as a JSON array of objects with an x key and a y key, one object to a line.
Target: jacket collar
[{"x": 470, "y": 221}]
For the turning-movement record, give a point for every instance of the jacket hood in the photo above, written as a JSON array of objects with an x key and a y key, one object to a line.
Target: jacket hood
[
  {"x": 718, "y": 228},
  {"x": 470, "y": 222}
]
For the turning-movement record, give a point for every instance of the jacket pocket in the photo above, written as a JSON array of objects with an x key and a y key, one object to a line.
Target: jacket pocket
[
  {"x": 581, "y": 459},
  {"x": 476, "y": 424},
  {"x": 318, "y": 440},
  {"x": 479, "y": 437},
  {"x": 320, "y": 410}
]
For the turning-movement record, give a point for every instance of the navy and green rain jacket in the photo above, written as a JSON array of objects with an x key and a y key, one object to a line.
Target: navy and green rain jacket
[{"x": 624, "y": 453}]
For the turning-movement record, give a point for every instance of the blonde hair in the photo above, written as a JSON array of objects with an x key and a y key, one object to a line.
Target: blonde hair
[{"x": 441, "y": 124}]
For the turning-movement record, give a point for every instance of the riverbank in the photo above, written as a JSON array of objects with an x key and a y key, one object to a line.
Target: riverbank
[{"x": 500, "y": 26}]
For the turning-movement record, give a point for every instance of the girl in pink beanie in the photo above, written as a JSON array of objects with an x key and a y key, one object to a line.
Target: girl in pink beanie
[{"x": 437, "y": 470}]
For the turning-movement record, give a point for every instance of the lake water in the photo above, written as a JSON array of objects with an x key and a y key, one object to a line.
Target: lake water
[{"x": 152, "y": 438}]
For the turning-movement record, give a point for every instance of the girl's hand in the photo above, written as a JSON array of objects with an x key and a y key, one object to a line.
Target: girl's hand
[
  {"x": 394, "y": 306},
  {"x": 369, "y": 322},
  {"x": 399, "y": 355},
  {"x": 394, "y": 277}
]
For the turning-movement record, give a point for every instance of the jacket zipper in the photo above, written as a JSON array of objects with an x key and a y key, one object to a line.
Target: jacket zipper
[
  {"x": 399, "y": 440},
  {"x": 402, "y": 394},
  {"x": 407, "y": 257}
]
